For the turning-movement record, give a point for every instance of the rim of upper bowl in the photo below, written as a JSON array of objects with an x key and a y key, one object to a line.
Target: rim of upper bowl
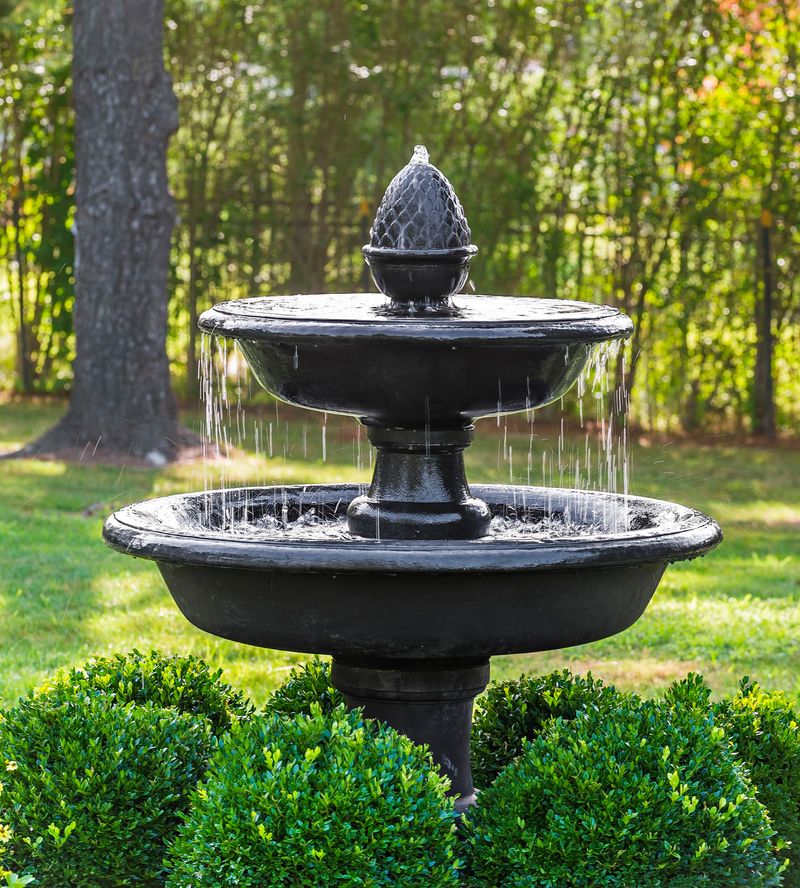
[{"x": 477, "y": 320}]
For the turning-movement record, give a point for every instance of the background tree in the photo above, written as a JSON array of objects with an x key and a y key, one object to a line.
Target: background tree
[
  {"x": 37, "y": 169},
  {"x": 125, "y": 109}
]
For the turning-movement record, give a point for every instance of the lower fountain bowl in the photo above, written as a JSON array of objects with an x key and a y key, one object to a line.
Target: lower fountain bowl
[{"x": 563, "y": 568}]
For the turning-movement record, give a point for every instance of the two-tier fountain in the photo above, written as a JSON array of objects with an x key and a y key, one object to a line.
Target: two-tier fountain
[{"x": 404, "y": 584}]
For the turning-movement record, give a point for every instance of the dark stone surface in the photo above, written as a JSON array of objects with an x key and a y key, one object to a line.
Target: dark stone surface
[
  {"x": 419, "y": 276},
  {"x": 411, "y": 599},
  {"x": 420, "y": 211},
  {"x": 419, "y": 489}
]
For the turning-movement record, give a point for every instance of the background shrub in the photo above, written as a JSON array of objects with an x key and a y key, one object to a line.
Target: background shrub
[
  {"x": 307, "y": 686},
  {"x": 651, "y": 797},
  {"x": 513, "y": 712},
  {"x": 169, "y": 682},
  {"x": 317, "y": 800},
  {"x": 92, "y": 792}
]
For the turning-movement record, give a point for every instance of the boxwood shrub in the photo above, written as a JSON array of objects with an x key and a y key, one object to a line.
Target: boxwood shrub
[
  {"x": 691, "y": 692},
  {"x": 317, "y": 800},
  {"x": 7, "y": 878},
  {"x": 171, "y": 682},
  {"x": 92, "y": 792},
  {"x": 649, "y": 797},
  {"x": 307, "y": 686},
  {"x": 763, "y": 727},
  {"x": 513, "y": 712}
]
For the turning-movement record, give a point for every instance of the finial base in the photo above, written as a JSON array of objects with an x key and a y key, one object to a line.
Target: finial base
[{"x": 417, "y": 276}]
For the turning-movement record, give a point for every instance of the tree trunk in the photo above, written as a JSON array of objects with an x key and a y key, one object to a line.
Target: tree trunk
[
  {"x": 763, "y": 383},
  {"x": 23, "y": 351},
  {"x": 125, "y": 114},
  {"x": 192, "y": 382}
]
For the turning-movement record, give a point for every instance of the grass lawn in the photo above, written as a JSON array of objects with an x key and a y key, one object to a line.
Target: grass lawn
[{"x": 65, "y": 596}]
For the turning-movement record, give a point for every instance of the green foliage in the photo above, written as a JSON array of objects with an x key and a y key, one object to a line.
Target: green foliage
[
  {"x": 641, "y": 184},
  {"x": 317, "y": 800},
  {"x": 8, "y": 878},
  {"x": 511, "y": 713},
  {"x": 14, "y": 881},
  {"x": 308, "y": 685},
  {"x": 691, "y": 692},
  {"x": 37, "y": 183},
  {"x": 169, "y": 682},
  {"x": 92, "y": 792},
  {"x": 763, "y": 728},
  {"x": 651, "y": 796}
]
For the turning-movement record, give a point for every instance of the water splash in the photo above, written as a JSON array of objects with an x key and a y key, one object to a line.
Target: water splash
[
  {"x": 420, "y": 155},
  {"x": 595, "y": 455}
]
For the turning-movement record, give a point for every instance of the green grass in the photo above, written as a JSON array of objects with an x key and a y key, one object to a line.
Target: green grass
[{"x": 65, "y": 596}]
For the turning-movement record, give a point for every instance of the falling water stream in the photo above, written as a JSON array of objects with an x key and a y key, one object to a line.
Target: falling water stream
[{"x": 589, "y": 453}]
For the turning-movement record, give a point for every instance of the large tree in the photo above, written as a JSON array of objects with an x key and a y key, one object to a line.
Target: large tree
[{"x": 126, "y": 111}]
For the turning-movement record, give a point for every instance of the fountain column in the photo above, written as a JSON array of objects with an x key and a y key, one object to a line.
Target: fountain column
[
  {"x": 419, "y": 488},
  {"x": 429, "y": 701}
]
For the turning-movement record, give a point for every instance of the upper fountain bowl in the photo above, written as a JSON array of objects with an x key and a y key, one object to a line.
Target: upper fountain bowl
[
  {"x": 422, "y": 359},
  {"x": 351, "y": 353},
  {"x": 419, "y": 249}
]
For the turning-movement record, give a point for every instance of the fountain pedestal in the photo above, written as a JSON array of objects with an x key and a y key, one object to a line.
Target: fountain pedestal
[
  {"x": 419, "y": 488},
  {"x": 428, "y": 701}
]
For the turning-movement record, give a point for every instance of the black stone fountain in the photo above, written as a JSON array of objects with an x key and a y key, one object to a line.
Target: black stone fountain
[{"x": 406, "y": 585}]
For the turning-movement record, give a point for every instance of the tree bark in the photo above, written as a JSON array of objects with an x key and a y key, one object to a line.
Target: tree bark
[
  {"x": 763, "y": 383},
  {"x": 125, "y": 113}
]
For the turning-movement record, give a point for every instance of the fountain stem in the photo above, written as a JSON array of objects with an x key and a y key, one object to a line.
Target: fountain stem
[
  {"x": 429, "y": 701},
  {"x": 419, "y": 488}
]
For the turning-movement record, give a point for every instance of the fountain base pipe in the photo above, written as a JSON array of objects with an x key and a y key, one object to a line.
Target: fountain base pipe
[
  {"x": 429, "y": 701},
  {"x": 419, "y": 488}
]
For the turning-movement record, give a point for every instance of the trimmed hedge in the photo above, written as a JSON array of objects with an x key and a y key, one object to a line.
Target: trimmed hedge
[
  {"x": 650, "y": 797},
  {"x": 307, "y": 686},
  {"x": 92, "y": 792},
  {"x": 317, "y": 800},
  {"x": 595, "y": 787},
  {"x": 764, "y": 727},
  {"x": 765, "y": 731},
  {"x": 186, "y": 684},
  {"x": 517, "y": 711}
]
